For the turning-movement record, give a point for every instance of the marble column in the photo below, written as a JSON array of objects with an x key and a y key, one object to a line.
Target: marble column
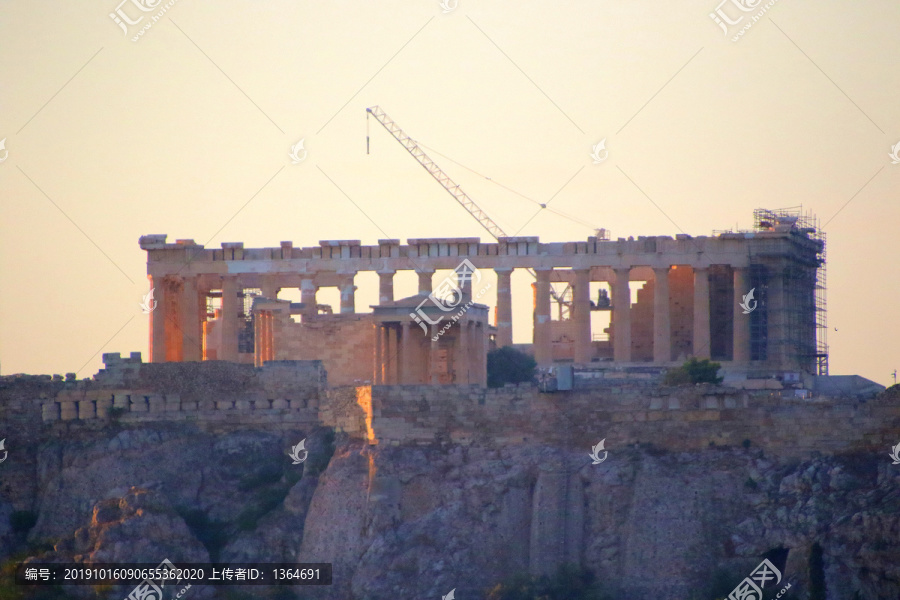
[
  {"x": 542, "y": 334},
  {"x": 393, "y": 360},
  {"x": 308, "y": 291},
  {"x": 741, "y": 339},
  {"x": 504, "y": 307},
  {"x": 432, "y": 356},
  {"x": 463, "y": 354},
  {"x": 425, "y": 281},
  {"x": 230, "y": 310},
  {"x": 385, "y": 286},
  {"x": 621, "y": 316},
  {"x": 701, "y": 313},
  {"x": 378, "y": 377},
  {"x": 191, "y": 331},
  {"x": 406, "y": 354},
  {"x": 482, "y": 340},
  {"x": 582, "y": 316},
  {"x": 269, "y": 287},
  {"x": 464, "y": 282},
  {"x": 157, "y": 320},
  {"x": 348, "y": 294},
  {"x": 662, "y": 322}
]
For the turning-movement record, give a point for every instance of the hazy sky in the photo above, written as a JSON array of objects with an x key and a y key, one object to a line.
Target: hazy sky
[{"x": 187, "y": 132}]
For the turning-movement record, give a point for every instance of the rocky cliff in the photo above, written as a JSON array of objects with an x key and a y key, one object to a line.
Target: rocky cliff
[{"x": 410, "y": 521}]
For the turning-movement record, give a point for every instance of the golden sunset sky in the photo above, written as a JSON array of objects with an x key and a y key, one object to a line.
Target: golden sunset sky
[{"x": 187, "y": 132}]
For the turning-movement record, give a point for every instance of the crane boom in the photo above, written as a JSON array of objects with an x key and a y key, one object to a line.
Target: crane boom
[
  {"x": 435, "y": 171},
  {"x": 451, "y": 186}
]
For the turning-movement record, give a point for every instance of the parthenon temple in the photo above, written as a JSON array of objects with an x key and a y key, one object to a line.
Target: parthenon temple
[{"x": 753, "y": 300}]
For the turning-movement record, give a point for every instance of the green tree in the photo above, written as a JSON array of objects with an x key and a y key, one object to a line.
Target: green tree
[
  {"x": 508, "y": 365},
  {"x": 694, "y": 371}
]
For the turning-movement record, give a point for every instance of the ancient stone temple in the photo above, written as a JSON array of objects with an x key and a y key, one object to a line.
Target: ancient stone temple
[{"x": 751, "y": 299}]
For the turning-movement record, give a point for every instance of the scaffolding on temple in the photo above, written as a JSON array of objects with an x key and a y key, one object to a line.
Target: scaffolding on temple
[{"x": 805, "y": 332}]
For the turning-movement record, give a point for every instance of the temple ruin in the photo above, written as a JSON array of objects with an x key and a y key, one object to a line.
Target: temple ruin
[{"x": 692, "y": 300}]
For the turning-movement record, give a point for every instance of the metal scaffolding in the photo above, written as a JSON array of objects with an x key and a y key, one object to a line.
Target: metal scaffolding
[{"x": 804, "y": 316}]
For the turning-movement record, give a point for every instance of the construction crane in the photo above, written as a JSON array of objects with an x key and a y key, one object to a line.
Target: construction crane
[{"x": 564, "y": 300}]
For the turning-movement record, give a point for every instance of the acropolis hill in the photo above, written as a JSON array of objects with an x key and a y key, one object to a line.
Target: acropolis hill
[
  {"x": 422, "y": 479},
  {"x": 414, "y": 370}
]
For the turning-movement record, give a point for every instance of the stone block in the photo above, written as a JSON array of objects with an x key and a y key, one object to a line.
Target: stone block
[
  {"x": 50, "y": 411},
  {"x": 122, "y": 401},
  {"x": 224, "y": 404},
  {"x": 139, "y": 404},
  {"x": 191, "y": 405},
  {"x": 68, "y": 411},
  {"x": 243, "y": 405},
  {"x": 280, "y": 404},
  {"x": 87, "y": 410},
  {"x": 156, "y": 404},
  {"x": 103, "y": 406}
]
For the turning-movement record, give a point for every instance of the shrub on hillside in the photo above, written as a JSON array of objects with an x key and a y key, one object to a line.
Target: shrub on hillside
[
  {"x": 693, "y": 371},
  {"x": 508, "y": 365}
]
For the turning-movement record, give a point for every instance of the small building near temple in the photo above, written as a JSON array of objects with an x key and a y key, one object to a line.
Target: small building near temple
[{"x": 421, "y": 340}]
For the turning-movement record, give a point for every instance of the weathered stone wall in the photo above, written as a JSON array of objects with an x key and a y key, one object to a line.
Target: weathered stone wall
[
  {"x": 345, "y": 344},
  {"x": 624, "y": 411},
  {"x": 677, "y": 419},
  {"x": 280, "y": 391}
]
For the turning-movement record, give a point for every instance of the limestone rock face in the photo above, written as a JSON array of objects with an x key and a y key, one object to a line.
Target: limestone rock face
[
  {"x": 197, "y": 471},
  {"x": 138, "y": 527},
  {"x": 418, "y": 521},
  {"x": 141, "y": 526}
]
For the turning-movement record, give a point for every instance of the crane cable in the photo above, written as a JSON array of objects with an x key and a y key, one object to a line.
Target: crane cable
[{"x": 575, "y": 220}]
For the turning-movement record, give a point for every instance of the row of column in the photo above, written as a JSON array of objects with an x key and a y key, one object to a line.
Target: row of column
[
  {"x": 621, "y": 315},
  {"x": 399, "y": 359},
  {"x": 189, "y": 302},
  {"x": 176, "y": 323}
]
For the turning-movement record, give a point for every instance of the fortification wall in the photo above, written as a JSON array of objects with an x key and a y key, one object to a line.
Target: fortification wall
[
  {"x": 278, "y": 392},
  {"x": 669, "y": 418},
  {"x": 621, "y": 411}
]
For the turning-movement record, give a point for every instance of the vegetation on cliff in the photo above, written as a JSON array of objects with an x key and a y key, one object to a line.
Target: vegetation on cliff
[
  {"x": 508, "y": 365},
  {"x": 693, "y": 371}
]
